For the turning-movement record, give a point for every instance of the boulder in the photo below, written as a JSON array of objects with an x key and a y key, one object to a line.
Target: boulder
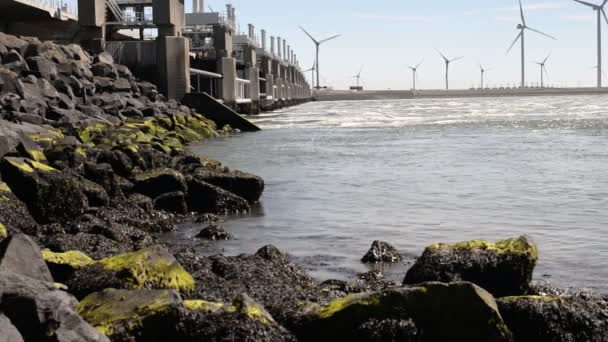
[
  {"x": 441, "y": 312},
  {"x": 19, "y": 254},
  {"x": 42, "y": 67},
  {"x": 96, "y": 194},
  {"x": 29, "y": 149},
  {"x": 403, "y": 330},
  {"x": 8, "y": 332},
  {"x": 381, "y": 252},
  {"x": 122, "y": 313},
  {"x": 503, "y": 268},
  {"x": 173, "y": 202},
  {"x": 206, "y": 198},
  {"x": 94, "y": 245},
  {"x": 63, "y": 264},
  {"x": 245, "y": 185},
  {"x": 214, "y": 232},
  {"x": 104, "y": 57},
  {"x": 160, "y": 181},
  {"x": 578, "y": 318},
  {"x": 151, "y": 268},
  {"x": 50, "y": 195},
  {"x": 104, "y": 70},
  {"x": 12, "y": 42}
]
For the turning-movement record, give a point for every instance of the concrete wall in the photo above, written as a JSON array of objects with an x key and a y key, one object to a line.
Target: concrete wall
[{"x": 174, "y": 66}]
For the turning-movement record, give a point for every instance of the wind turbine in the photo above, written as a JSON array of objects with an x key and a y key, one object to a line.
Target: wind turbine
[
  {"x": 543, "y": 70},
  {"x": 312, "y": 70},
  {"x": 483, "y": 72},
  {"x": 600, "y": 11},
  {"x": 414, "y": 72},
  {"x": 447, "y": 68},
  {"x": 358, "y": 76},
  {"x": 522, "y": 29},
  {"x": 317, "y": 45}
]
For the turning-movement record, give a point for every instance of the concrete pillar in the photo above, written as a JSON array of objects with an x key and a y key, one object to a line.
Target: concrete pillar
[
  {"x": 279, "y": 47},
  {"x": 222, "y": 41},
  {"x": 270, "y": 86},
  {"x": 263, "y": 33},
  {"x": 228, "y": 88},
  {"x": 92, "y": 20},
  {"x": 254, "y": 90},
  {"x": 284, "y": 49},
  {"x": 169, "y": 17},
  {"x": 279, "y": 92},
  {"x": 272, "y": 44},
  {"x": 251, "y": 31},
  {"x": 174, "y": 66}
]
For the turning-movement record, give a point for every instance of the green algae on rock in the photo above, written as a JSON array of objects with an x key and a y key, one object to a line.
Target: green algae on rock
[
  {"x": 503, "y": 268},
  {"x": 443, "y": 312},
  {"x": 3, "y": 232}
]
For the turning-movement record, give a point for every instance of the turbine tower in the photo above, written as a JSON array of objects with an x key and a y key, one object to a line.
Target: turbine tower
[
  {"x": 447, "y": 68},
  {"x": 312, "y": 75},
  {"x": 600, "y": 11},
  {"x": 543, "y": 70},
  {"x": 358, "y": 76},
  {"x": 317, "y": 45},
  {"x": 483, "y": 72},
  {"x": 522, "y": 29},
  {"x": 414, "y": 72}
]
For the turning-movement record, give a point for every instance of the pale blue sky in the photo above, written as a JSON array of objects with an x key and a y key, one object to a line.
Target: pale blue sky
[{"x": 386, "y": 35}]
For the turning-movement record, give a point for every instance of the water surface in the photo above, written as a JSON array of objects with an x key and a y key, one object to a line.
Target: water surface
[{"x": 342, "y": 174}]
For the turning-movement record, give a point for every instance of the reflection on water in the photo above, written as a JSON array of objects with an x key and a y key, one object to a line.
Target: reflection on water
[{"x": 342, "y": 174}]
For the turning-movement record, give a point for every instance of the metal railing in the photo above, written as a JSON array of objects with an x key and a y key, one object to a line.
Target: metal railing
[
  {"x": 205, "y": 81},
  {"x": 243, "y": 90},
  {"x": 115, "y": 9}
]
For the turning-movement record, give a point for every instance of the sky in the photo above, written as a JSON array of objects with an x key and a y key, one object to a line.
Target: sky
[{"x": 385, "y": 36}]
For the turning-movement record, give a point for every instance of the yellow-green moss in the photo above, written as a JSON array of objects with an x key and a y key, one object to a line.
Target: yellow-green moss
[
  {"x": 23, "y": 166},
  {"x": 37, "y": 155},
  {"x": 40, "y": 167},
  {"x": 252, "y": 311},
  {"x": 515, "y": 246},
  {"x": 75, "y": 259},
  {"x": 340, "y": 304},
  {"x": 203, "y": 305},
  {"x": 104, "y": 310},
  {"x": 3, "y": 232},
  {"x": 81, "y": 151},
  {"x": 546, "y": 299},
  {"x": 4, "y": 188},
  {"x": 144, "y": 269}
]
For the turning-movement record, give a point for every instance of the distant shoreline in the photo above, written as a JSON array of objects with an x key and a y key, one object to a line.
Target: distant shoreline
[{"x": 343, "y": 95}]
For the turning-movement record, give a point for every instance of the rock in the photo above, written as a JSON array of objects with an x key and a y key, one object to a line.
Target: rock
[
  {"x": 63, "y": 265},
  {"x": 49, "y": 195},
  {"x": 9, "y": 82},
  {"x": 43, "y": 67},
  {"x": 381, "y": 252},
  {"x": 117, "y": 313},
  {"x": 41, "y": 312},
  {"x": 206, "y": 198},
  {"x": 555, "y": 319},
  {"x": 151, "y": 268},
  {"x": 29, "y": 149},
  {"x": 271, "y": 253},
  {"x": 119, "y": 161},
  {"x": 160, "y": 181},
  {"x": 387, "y": 330},
  {"x": 247, "y": 186},
  {"x": 122, "y": 85},
  {"x": 95, "y": 245},
  {"x": 104, "y": 57},
  {"x": 173, "y": 202},
  {"x": 503, "y": 268},
  {"x": 96, "y": 194},
  {"x": 441, "y": 312},
  {"x": 12, "y": 42},
  {"x": 15, "y": 58},
  {"x": 104, "y": 70},
  {"x": 214, "y": 232},
  {"x": 19, "y": 254},
  {"x": 148, "y": 90},
  {"x": 8, "y": 332}
]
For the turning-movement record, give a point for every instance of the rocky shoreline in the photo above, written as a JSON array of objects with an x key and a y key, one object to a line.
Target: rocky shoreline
[{"x": 93, "y": 168}]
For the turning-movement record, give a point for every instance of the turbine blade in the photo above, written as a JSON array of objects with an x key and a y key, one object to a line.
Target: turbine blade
[
  {"x": 515, "y": 41},
  {"x": 444, "y": 57},
  {"x": 308, "y": 34},
  {"x": 419, "y": 64},
  {"x": 603, "y": 4},
  {"x": 456, "y": 59},
  {"x": 330, "y": 38},
  {"x": 604, "y": 13},
  {"x": 521, "y": 12},
  {"x": 545, "y": 61},
  {"x": 539, "y": 32},
  {"x": 587, "y": 3}
]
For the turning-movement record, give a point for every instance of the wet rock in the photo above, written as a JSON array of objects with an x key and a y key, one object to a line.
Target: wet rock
[
  {"x": 103, "y": 175},
  {"x": 271, "y": 253},
  {"x": 8, "y": 332},
  {"x": 387, "y": 330},
  {"x": 96, "y": 195},
  {"x": 95, "y": 245},
  {"x": 553, "y": 318},
  {"x": 120, "y": 314},
  {"x": 173, "y": 202},
  {"x": 441, "y": 312},
  {"x": 160, "y": 181},
  {"x": 214, "y": 232},
  {"x": 63, "y": 265},
  {"x": 247, "y": 186},
  {"x": 49, "y": 195},
  {"x": 19, "y": 254},
  {"x": 381, "y": 252},
  {"x": 206, "y": 198},
  {"x": 503, "y": 268},
  {"x": 142, "y": 202}
]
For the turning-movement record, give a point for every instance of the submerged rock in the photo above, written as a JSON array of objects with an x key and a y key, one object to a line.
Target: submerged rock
[
  {"x": 206, "y": 198},
  {"x": 503, "y": 268},
  {"x": 581, "y": 318},
  {"x": 245, "y": 185},
  {"x": 440, "y": 312},
  {"x": 381, "y": 252},
  {"x": 214, "y": 232}
]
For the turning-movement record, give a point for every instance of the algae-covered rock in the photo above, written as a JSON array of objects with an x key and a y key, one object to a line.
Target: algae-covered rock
[
  {"x": 119, "y": 314},
  {"x": 214, "y": 232},
  {"x": 157, "y": 182},
  {"x": 441, "y": 312},
  {"x": 245, "y": 185},
  {"x": 503, "y": 268},
  {"x": 381, "y": 251},
  {"x": 3, "y": 232},
  {"x": 63, "y": 265},
  {"x": 581, "y": 318}
]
